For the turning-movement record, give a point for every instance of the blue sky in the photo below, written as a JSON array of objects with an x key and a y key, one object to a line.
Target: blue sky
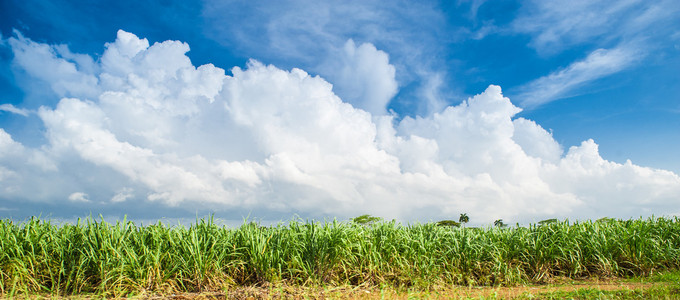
[{"x": 600, "y": 70}]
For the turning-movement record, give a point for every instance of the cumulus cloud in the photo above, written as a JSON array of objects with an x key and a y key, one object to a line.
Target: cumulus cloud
[
  {"x": 363, "y": 76},
  {"x": 69, "y": 75},
  {"x": 536, "y": 141},
  {"x": 275, "y": 142},
  {"x": 315, "y": 34}
]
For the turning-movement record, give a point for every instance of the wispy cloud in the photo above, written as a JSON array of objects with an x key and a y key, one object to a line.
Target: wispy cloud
[
  {"x": 621, "y": 34},
  {"x": 474, "y": 7},
  {"x": 300, "y": 28},
  {"x": 554, "y": 26},
  {"x": 15, "y": 110},
  {"x": 560, "y": 83}
]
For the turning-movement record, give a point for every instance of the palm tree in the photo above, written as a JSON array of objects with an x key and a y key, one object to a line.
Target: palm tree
[
  {"x": 499, "y": 223},
  {"x": 463, "y": 219}
]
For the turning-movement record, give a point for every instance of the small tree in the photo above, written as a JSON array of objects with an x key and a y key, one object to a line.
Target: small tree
[
  {"x": 448, "y": 223},
  {"x": 548, "y": 221},
  {"x": 464, "y": 219},
  {"x": 499, "y": 223},
  {"x": 366, "y": 220}
]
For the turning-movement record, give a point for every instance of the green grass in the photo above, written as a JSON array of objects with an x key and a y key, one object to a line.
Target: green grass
[
  {"x": 661, "y": 292},
  {"x": 120, "y": 259}
]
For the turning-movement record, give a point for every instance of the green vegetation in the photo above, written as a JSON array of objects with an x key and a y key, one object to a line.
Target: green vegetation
[
  {"x": 547, "y": 221},
  {"x": 654, "y": 292},
  {"x": 366, "y": 220},
  {"x": 118, "y": 259},
  {"x": 499, "y": 223},
  {"x": 464, "y": 219},
  {"x": 449, "y": 223}
]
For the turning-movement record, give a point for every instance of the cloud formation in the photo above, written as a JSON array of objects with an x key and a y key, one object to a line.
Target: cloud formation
[
  {"x": 555, "y": 26},
  {"x": 144, "y": 124},
  {"x": 13, "y": 109},
  {"x": 363, "y": 76},
  {"x": 620, "y": 35},
  {"x": 70, "y": 74},
  {"x": 316, "y": 35},
  {"x": 560, "y": 83}
]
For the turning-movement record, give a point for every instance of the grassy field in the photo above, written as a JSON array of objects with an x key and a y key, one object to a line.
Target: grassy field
[{"x": 95, "y": 257}]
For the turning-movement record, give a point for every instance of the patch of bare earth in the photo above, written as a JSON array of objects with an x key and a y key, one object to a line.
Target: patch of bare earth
[{"x": 452, "y": 292}]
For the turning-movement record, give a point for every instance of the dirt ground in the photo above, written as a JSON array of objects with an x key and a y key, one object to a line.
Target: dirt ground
[{"x": 457, "y": 292}]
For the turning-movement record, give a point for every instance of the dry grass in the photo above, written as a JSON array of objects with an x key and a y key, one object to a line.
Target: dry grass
[{"x": 609, "y": 288}]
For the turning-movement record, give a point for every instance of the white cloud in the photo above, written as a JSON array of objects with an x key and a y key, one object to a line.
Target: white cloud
[
  {"x": 315, "y": 35},
  {"x": 555, "y": 26},
  {"x": 68, "y": 73},
  {"x": 8, "y": 146},
  {"x": 13, "y": 153},
  {"x": 15, "y": 110},
  {"x": 363, "y": 76},
  {"x": 430, "y": 95},
  {"x": 123, "y": 195},
  {"x": 276, "y": 142},
  {"x": 584, "y": 173},
  {"x": 78, "y": 197},
  {"x": 474, "y": 7},
  {"x": 618, "y": 36},
  {"x": 560, "y": 83},
  {"x": 536, "y": 141}
]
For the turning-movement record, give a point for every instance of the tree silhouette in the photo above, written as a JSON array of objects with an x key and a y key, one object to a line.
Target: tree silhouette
[
  {"x": 463, "y": 219},
  {"x": 499, "y": 223},
  {"x": 449, "y": 223},
  {"x": 366, "y": 220},
  {"x": 548, "y": 221}
]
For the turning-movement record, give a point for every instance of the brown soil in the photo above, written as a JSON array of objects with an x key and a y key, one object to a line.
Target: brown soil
[
  {"x": 372, "y": 292},
  {"x": 457, "y": 292}
]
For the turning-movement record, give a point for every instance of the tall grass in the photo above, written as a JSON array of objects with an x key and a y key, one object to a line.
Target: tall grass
[{"x": 98, "y": 257}]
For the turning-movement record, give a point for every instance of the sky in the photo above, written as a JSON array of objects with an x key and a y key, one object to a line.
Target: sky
[{"x": 414, "y": 110}]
